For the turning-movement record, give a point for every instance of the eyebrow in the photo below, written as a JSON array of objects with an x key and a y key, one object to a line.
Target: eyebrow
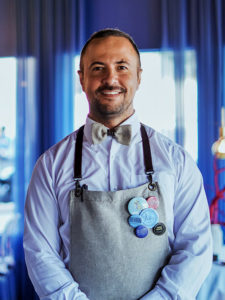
[
  {"x": 122, "y": 61},
  {"x": 96, "y": 63}
]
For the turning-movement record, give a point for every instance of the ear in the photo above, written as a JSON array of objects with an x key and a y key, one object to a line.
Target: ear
[
  {"x": 81, "y": 76},
  {"x": 139, "y": 72}
]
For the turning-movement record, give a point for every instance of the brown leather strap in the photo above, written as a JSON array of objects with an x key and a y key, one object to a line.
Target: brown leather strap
[{"x": 78, "y": 154}]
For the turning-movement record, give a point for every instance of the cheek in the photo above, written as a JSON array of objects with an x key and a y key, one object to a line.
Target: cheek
[
  {"x": 90, "y": 86},
  {"x": 133, "y": 84},
  {"x": 130, "y": 79}
]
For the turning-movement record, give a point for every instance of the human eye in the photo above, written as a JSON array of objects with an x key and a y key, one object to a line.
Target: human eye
[
  {"x": 97, "y": 68},
  {"x": 122, "y": 67}
]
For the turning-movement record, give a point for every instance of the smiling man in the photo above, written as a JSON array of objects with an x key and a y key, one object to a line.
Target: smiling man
[
  {"x": 110, "y": 79},
  {"x": 116, "y": 211}
]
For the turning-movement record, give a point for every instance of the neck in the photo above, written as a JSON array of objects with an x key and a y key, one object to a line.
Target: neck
[{"x": 110, "y": 122}]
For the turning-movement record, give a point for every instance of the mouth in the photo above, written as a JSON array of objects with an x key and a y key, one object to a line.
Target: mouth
[
  {"x": 109, "y": 91},
  {"x": 115, "y": 92}
]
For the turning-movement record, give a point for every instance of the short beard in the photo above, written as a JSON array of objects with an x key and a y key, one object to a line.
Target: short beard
[{"x": 103, "y": 110}]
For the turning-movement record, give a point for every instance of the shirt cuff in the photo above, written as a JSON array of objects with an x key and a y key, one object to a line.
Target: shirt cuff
[
  {"x": 153, "y": 295},
  {"x": 81, "y": 296},
  {"x": 70, "y": 292}
]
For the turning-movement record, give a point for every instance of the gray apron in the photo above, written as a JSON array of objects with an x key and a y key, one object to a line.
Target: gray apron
[{"x": 107, "y": 259}]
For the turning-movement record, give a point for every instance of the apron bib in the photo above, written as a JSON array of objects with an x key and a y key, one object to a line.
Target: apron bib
[{"x": 107, "y": 259}]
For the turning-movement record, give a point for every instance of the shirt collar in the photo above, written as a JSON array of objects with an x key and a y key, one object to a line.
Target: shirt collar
[{"x": 132, "y": 120}]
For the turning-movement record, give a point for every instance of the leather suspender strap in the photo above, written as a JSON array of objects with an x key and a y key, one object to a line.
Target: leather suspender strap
[
  {"x": 146, "y": 151},
  {"x": 78, "y": 154},
  {"x": 147, "y": 158}
]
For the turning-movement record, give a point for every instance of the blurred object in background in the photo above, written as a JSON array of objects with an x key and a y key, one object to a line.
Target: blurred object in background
[
  {"x": 6, "y": 166},
  {"x": 4, "y": 143},
  {"x": 218, "y": 246},
  {"x": 218, "y": 148},
  {"x": 217, "y": 206},
  {"x": 8, "y": 238}
]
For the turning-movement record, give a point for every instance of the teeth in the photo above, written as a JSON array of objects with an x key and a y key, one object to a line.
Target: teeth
[{"x": 111, "y": 92}]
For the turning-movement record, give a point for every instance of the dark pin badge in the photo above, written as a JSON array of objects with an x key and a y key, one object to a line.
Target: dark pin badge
[{"x": 159, "y": 229}]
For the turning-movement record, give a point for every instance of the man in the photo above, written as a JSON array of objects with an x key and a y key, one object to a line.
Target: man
[{"x": 109, "y": 216}]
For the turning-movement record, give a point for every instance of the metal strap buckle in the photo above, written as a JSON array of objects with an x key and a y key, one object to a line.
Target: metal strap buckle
[
  {"x": 78, "y": 188},
  {"x": 152, "y": 185}
]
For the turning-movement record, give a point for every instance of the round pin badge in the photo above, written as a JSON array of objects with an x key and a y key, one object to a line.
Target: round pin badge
[
  {"x": 159, "y": 229},
  {"x": 136, "y": 205},
  {"x": 141, "y": 231},
  {"x": 153, "y": 202},
  {"x": 149, "y": 217},
  {"x": 135, "y": 221}
]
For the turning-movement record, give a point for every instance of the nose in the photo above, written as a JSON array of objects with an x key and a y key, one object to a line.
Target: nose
[{"x": 110, "y": 77}]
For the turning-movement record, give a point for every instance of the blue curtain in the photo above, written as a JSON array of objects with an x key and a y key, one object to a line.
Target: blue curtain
[
  {"x": 210, "y": 44},
  {"x": 199, "y": 25},
  {"x": 49, "y": 33}
]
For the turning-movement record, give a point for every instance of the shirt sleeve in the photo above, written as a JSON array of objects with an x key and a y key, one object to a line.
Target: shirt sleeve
[
  {"x": 42, "y": 243},
  {"x": 191, "y": 256}
]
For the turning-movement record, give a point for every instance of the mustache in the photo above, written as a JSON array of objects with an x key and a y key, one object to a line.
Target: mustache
[{"x": 110, "y": 88}]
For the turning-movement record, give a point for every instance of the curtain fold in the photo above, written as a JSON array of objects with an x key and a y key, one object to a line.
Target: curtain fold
[
  {"x": 209, "y": 42},
  {"x": 48, "y": 37},
  {"x": 198, "y": 25}
]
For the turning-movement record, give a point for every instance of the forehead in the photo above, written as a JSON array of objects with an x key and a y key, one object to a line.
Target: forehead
[{"x": 110, "y": 49}]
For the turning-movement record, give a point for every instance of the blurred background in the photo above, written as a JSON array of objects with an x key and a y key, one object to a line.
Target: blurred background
[{"x": 182, "y": 94}]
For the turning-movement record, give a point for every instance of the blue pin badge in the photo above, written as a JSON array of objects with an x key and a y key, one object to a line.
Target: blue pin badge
[
  {"x": 141, "y": 231},
  {"x": 135, "y": 221},
  {"x": 149, "y": 217},
  {"x": 136, "y": 205}
]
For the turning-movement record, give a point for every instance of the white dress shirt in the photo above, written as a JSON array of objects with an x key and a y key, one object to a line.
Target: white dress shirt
[{"x": 110, "y": 166}]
